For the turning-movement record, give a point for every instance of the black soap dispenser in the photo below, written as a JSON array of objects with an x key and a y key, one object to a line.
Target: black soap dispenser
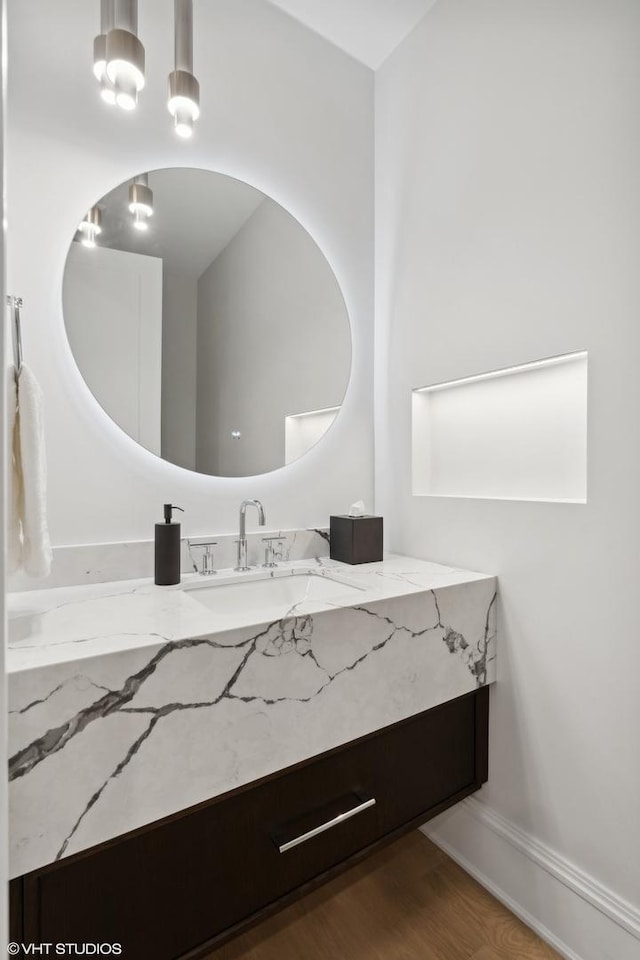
[{"x": 168, "y": 549}]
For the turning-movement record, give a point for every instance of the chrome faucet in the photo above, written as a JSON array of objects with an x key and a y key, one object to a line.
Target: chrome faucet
[{"x": 242, "y": 541}]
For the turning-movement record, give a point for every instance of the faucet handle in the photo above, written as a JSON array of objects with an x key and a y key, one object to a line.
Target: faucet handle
[
  {"x": 207, "y": 559},
  {"x": 269, "y": 555},
  {"x": 207, "y": 568}
]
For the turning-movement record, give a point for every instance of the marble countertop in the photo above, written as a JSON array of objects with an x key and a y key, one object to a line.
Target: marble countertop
[
  {"x": 130, "y": 702},
  {"x": 73, "y": 623}
]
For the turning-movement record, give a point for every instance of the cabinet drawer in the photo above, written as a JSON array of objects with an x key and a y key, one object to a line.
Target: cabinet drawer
[{"x": 168, "y": 889}]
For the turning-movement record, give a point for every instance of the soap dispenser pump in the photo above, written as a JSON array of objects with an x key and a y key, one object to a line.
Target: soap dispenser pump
[{"x": 168, "y": 549}]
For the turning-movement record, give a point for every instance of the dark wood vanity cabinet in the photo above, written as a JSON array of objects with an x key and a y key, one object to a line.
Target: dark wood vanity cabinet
[{"x": 175, "y": 889}]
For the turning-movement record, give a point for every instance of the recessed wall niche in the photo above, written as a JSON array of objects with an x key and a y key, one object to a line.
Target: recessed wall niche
[
  {"x": 303, "y": 430},
  {"x": 513, "y": 434}
]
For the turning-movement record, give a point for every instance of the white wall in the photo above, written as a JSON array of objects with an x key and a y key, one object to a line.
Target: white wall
[
  {"x": 179, "y": 368},
  {"x": 4, "y": 821},
  {"x": 508, "y": 202},
  {"x": 273, "y": 340},
  {"x": 281, "y": 109}
]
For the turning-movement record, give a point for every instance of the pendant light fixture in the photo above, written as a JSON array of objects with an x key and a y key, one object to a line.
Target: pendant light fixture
[
  {"x": 184, "y": 89},
  {"x": 141, "y": 201},
  {"x": 107, "y": 91},
  {"x": 91, "y": 226},
  {"x": 125, "y": 54}
]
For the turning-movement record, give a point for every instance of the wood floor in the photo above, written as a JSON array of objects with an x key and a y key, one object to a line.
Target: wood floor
[{"x": 407, "y": 902}]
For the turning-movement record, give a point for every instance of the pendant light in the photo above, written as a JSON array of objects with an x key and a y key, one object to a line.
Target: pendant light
[
  {"x": 141, "y": 201},
  {"x": 91, "y": 226},
  {"x": 184, "y": 89},
  {"x": 107, "y": 91},
  {"x": 125, "y": 54}
]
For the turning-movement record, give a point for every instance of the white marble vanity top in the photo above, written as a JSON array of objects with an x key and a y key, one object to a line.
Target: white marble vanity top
[
  {"x": 72, "y": 623},
  {"x": 130, "y": 702}
]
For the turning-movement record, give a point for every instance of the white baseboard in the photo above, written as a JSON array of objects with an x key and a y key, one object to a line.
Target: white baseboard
[{"x": 578, "y": 916}]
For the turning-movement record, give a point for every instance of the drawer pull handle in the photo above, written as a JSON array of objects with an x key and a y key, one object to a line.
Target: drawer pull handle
[{"x": 327, "y": 826}]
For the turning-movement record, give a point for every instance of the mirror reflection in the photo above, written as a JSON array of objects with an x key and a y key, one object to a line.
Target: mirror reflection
[{"x": 207, "y": 322}]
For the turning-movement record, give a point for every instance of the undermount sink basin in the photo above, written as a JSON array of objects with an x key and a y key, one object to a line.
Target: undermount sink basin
[{"x": 274, "y": 593}]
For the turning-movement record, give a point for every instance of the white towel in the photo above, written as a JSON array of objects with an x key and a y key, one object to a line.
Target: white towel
[
  {"x": 14, "y": 478},
  {"x": 30, "y": 477}
]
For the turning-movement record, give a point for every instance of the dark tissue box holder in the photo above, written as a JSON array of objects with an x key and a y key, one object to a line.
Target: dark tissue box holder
[{"x": 356, "y": 539}]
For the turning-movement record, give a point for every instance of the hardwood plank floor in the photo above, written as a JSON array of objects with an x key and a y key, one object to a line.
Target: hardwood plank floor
[{"x": 407, "y": 902}]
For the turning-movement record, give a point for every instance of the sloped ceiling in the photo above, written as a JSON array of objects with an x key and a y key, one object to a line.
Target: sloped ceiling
[{"x": 368, "y": 30}]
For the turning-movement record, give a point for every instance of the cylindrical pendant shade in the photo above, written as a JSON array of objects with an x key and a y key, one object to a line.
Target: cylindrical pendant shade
[
  {"x": 125, "y": 55},
  {"x": 184, "y": 89},
  {"x": 140, "y": 198},
  {"x": 141, "y": 201},
  {"x": 91, "y": 226},
  {"x": 99, "y": 56},
  {"x": 183, "y": 86},
  {"x": 93, "y": 218},
  {"x": 100, "y": 42}
]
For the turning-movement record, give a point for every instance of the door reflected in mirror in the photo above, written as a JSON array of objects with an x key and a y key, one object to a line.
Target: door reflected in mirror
[{"x": 211, "y": 329}]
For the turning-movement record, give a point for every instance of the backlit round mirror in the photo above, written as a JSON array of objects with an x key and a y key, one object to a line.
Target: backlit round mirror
[{"x": 207, "y": 322}]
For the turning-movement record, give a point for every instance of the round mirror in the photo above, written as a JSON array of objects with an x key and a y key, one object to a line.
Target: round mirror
[{"x": 206, "y": 322}]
